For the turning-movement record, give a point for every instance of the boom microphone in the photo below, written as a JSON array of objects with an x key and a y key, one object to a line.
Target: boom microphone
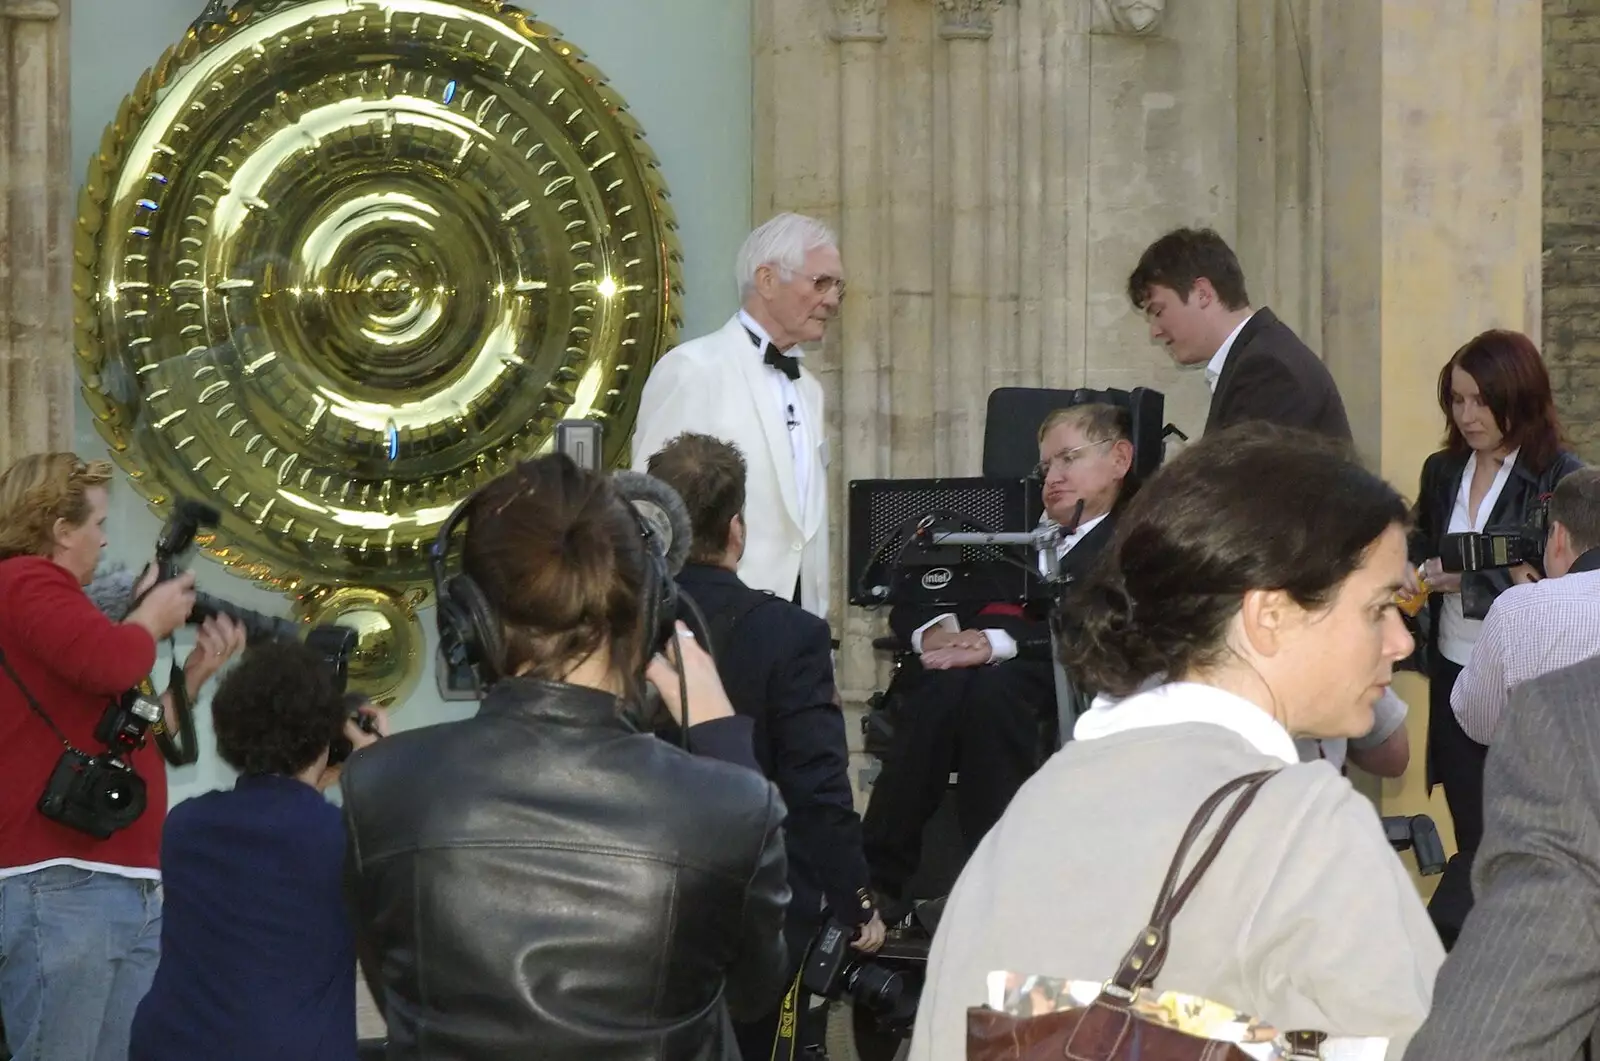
[
  {"x": 112, "y": 591},
  {"x": 660, "y": 504}
]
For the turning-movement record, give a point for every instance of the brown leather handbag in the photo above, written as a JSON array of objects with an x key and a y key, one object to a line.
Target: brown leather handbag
[{"x": 1109, "y": 1028}]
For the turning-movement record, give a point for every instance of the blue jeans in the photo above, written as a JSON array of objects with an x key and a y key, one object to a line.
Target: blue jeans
[{"x": 78, "y": 949}]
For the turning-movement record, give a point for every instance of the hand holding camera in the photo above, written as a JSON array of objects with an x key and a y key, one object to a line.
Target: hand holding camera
[
  {"x": 684, "y": 656},
  {"x": 163, "y": 606}
]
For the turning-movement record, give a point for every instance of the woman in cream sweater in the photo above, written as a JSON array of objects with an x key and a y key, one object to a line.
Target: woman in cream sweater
[{"x": 1258, "y": 570}]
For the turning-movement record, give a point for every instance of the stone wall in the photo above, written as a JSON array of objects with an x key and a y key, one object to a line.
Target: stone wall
[{"x": 1572, "y": 214}]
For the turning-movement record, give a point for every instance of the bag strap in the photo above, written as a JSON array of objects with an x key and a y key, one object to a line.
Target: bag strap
[
  {"x": 1143, "y": 962},
  {"x": 37, "y": 709}
]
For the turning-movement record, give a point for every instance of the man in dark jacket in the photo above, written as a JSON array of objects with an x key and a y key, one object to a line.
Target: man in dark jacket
[
  {"x": 776, "y": 663},
  {"x": 1189, "y": 285}
]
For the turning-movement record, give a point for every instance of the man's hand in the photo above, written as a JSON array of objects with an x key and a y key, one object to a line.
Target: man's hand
[
  {"x": 871, "y": 935},
  {"x": 360, "y": 738},
  {"x": 958, "y": 656},
  {"x": 706, "y": 696}
]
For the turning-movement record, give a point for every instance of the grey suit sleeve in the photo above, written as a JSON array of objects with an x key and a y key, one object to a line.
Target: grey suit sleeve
[{"x": 1523, "y": 981}]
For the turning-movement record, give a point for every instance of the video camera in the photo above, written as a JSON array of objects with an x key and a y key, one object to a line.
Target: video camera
[
  {"x": 173, "y": 545},
  {"x": 1498, "y": 547}
]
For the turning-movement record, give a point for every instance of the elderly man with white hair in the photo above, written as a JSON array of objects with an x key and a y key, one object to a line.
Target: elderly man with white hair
[{"x": 747, "y": 384}]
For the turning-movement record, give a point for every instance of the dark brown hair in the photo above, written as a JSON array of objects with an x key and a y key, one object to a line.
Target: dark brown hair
[
  {"x": 561, "y": 560},
  {"x": 39, "y": 489},
  {"x": 1576, "y": 506},
  {"x": 1183, "y": 256},
  {"x": 1515, "y": 386},
  {"x": 1203, "y": 532},
  {"x": 709, "y": 474}
]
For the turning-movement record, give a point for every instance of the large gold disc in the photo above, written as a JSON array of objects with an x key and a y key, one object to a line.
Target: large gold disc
[{"x": 341, "y": 261}]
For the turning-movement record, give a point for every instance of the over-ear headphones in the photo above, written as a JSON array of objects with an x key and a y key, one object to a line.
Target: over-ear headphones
[{"x": 470, "y": 632}]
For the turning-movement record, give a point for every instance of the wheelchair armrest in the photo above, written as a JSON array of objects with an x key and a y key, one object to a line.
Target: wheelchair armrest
[{"x": 890, "y": 643}]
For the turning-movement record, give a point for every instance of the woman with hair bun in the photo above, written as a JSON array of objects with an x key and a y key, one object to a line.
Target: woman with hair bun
[
  {"x": 1225, "y": 621},
  {"x": 549, "y": 879}
]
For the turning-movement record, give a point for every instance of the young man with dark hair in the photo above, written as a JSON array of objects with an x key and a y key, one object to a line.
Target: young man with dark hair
[
  {"x": 1189, "y": 286},
  {"x": 258, "y": 955},
  {"x": 776, "y": 663}
]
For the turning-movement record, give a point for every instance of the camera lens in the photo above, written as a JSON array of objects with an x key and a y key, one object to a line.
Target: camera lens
[
  {"x": 121, "y": 796},
  {"x": 874, "y": 987}
]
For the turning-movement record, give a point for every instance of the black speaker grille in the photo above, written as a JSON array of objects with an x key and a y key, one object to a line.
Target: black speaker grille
[{"x": 892, "y": 513}]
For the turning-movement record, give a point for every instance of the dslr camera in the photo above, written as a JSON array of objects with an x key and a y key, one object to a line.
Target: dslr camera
[
  {"x": 1498, "y": 547},
  {"x": 100, "y": 794}
]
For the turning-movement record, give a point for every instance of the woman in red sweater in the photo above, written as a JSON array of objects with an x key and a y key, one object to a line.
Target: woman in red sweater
[{"x": 80, "y": 917}]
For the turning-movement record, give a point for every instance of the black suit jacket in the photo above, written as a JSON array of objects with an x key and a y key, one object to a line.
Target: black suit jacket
[
  {"x": 1269, "y": 374},
  {"x": 777, "y": 668}
]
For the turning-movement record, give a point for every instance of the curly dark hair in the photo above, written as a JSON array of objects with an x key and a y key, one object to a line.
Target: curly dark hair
[{"x": 277, "y": 710}]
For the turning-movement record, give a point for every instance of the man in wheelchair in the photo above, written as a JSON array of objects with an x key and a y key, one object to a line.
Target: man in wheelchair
[{"x": 975, "y": 693}]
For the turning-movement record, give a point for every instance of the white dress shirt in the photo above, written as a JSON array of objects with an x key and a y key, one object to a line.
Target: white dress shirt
[
  {"x": 1220, "y": 358},
  {"x": 1002, "y": 646},
  {"x": 1530, "y": 630},
  {"x": 1456, "y": 632},
  {"x": 786, "y": 396}
]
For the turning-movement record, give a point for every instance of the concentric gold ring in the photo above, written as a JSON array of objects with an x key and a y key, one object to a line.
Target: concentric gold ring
[{"x": 340, "y": 261}]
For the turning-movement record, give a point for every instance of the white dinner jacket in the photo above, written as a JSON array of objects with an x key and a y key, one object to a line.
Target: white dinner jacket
[{"x": 717, "y": 385}]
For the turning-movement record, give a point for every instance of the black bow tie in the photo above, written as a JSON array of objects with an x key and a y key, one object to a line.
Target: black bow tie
[{"x": 789, "y": 366}]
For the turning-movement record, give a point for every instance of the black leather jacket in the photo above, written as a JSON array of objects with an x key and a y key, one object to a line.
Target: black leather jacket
[{"x": 543, "y": 880}]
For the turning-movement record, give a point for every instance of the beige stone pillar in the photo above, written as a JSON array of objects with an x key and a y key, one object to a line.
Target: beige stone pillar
[
  {"x": 863, "y": 428},
  {"x": 966, "y": 27},
  {"x": 36, "y": 401},
  {"x": 1431, "y": 199}
]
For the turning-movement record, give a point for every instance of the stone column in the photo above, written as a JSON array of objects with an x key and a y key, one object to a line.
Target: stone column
[
  {"x": 966, "y": 27},
  {"x": 1431, "y": 203},
  {"x": 36, "y": 402},
  {"x": 864, "y": 395}
]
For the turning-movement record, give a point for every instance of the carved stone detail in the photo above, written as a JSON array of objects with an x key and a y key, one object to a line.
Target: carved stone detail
[
  {"x": 30, "y": 10},
  {"x": 966, "y": 18},
  {"x": 859, "y": 20},
  {"x": 1135, "y": 18}
]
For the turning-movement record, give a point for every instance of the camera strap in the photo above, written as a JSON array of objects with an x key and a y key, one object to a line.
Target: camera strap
[
  {"x": 37, "y": 709},
  {"x": 785, "y": 1042},
  {"x": 186, "y": 748}
]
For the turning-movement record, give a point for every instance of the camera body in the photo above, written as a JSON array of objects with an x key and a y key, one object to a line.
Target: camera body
[
  {"x": 96, "y": 795},
  {"x": 834, "y": 970},
  {"x": 1498, "y": 547}
]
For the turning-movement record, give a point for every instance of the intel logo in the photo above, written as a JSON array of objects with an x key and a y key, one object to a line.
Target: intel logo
[{"x": 938, "y": 578}]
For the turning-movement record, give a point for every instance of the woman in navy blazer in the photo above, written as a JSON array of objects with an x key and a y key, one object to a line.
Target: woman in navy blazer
[{"x": 257, "y": 954}]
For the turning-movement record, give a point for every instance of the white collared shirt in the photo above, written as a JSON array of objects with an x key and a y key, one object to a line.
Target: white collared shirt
[
  {"x": 786, "y": 395},
  {"x": 1176, "y": 703},
  {"x": 1002, "y": 646},
  {"x": 1457, "y": 633},
  {"x": 1218, "y": 359}
]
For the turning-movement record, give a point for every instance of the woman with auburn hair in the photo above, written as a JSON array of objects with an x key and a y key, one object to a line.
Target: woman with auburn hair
[
  {"x": 80, "y": 914},
  {"x": 1503, "y": 456}
]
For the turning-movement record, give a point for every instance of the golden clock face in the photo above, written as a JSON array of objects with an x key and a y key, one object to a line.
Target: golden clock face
[{"x": 339, "y": 262}]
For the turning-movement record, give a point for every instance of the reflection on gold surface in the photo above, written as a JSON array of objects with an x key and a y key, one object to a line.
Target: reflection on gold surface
[
  {"x": 340, "y": 261},
  {"x": 389, "y": 655}
]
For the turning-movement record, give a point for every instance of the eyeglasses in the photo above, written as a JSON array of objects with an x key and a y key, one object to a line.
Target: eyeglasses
[
  {"x": 1066, "y": 458},
  {"x": 823, "y": 284}
]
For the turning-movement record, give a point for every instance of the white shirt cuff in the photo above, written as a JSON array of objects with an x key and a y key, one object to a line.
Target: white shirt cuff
[
  {"x": 1002, "y": 646},
  {"x": 946, "y": 622}
]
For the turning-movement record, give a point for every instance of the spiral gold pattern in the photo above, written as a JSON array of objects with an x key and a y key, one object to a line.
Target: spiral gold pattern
[{"x": 341, "y": 261}]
